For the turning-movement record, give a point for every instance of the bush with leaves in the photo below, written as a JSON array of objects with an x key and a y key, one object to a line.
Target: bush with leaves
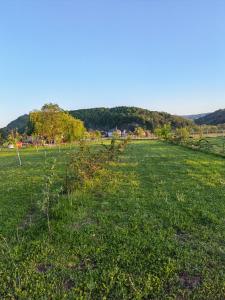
[
  {"x": 164, "y": 132},
  {"x": 205, "y": 145},
  {"x": 182, "y": 135},
  {"x": 50, "y": 193},
  {"x": 201, "y": 144},
  {"x": 139, "y": 132},
  {"x": 86, "y": 163}
]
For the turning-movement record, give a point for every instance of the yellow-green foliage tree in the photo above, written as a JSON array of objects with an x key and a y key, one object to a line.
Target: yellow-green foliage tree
[
  {"x": 73, "y": 129},
  {"x": 139, "y": 131},
  {"x": 164, "y": 132},
  {"x": 14, "y": 137},
  {"x": 52, "y": 124},
  {"x": 95, "y": 134},
  {"x": 182, "y": 134}
]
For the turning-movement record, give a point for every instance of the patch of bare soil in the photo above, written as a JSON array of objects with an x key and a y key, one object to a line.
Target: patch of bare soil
[
  {"x": 189, "y": 281},
  {"x": 43, "y": 268},
  {"x": 68, "y": 284}
]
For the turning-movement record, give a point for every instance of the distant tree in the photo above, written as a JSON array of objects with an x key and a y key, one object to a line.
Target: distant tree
[
  {"x": 54, "y": 125},
  {"x": 116, "y": 134},
  {"x": 87, "y": 135},
  {"x": 139, "y": 131},
  {"x": 165, "y": 132},
  {"x": 98, "y": 134},
  {"x": 73, "y": 129},
  {"x": 94, "y": 134},
  {"x": 48, "y": 122},
  {"x": 14, "y": 137},
  {"x": 182, "y": 134}
]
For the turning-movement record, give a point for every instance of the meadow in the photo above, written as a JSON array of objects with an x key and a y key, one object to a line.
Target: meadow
[
  {"x": 151, "y": 226},
  {"x": 217, "y": 145}
]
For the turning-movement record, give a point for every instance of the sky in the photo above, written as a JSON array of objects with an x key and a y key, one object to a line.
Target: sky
[{"x": 165, "y": 55}]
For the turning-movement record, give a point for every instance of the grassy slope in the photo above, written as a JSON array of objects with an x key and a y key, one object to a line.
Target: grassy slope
[{"x": 155, "y": 231}]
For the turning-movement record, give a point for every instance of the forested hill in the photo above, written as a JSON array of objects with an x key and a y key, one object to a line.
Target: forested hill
[
  {"x": 126, "y": 118},
  {"x": 108, "y": 118},
  {"x": 215, "y": 118},
  {"x": 20, "y": 123}
]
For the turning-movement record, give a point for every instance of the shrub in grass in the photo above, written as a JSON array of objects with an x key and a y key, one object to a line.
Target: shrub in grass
[
  {"x": 50, "y": 193},
  {"x": 86, "y": 163}
]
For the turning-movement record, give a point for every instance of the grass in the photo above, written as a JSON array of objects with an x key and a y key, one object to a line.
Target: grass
[
  {"x": 155, "y": 230},
  {"x": 218, "y": 144}
]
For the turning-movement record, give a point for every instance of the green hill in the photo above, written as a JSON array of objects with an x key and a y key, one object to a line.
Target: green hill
[
  {"x": 215, "y": 118},
  {"x": 107, "y": 118},
  {"x": 20, "y": 123},
  {"x": 126, "y": 118}
]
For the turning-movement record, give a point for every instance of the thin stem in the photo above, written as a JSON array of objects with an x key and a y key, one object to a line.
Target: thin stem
[{"x": 18, "y": 155}]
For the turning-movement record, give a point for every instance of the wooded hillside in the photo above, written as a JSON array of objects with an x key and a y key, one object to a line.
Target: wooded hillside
[{"x": 108, "y": 118}]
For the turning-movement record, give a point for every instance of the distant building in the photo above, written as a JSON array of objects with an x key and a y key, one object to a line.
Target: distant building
[{"x": 124, "y": 133}]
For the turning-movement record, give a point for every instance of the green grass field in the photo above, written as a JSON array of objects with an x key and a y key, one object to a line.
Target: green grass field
[
  {"x": 218, "y": 145},
  {"x": 155, "y": 230}
]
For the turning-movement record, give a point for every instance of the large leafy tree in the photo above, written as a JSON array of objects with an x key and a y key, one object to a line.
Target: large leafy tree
[
  {"x": 73, "y": 129},
  {"x": 51, "y": 123}
]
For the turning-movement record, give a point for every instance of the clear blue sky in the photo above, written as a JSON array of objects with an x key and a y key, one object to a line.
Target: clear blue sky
[{"x": 166, "y": 55}]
